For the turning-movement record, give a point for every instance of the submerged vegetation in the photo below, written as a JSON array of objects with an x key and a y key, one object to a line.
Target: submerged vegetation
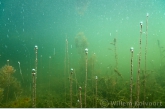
[
  {"x": 10, "y": 87},
  {"x": 108, "y": 91}
]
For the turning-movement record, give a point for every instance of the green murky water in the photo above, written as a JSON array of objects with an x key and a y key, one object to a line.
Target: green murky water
[{"x": 65, "y": 72}]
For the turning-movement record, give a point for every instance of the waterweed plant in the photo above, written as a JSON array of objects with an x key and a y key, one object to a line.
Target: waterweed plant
[{"x": 8, "y": 83}]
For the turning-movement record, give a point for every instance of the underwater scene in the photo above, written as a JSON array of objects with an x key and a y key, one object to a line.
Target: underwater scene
[{"x": 82, "y": 53}]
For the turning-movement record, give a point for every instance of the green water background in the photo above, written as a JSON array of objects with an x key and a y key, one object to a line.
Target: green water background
[{"x": 47, "y": 23}]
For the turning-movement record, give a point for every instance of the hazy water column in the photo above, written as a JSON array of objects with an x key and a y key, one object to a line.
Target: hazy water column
[{"x": 23, "y": 17}]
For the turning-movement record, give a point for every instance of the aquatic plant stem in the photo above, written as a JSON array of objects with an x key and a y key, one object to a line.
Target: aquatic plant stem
[
  {"x": 71, "y": 87},
  {"x": 34, "y": 88},
  {"x": 8, "y": 83},
  {"x": 96, "y": 91},
  {"x": 36, "y": 60},
  {"x": 49, "y": 75},
  {"x": 86, "y": 52},
  {"x": 65, "y": 62},
  {"x": 85, "y": 83},
  {"x": 92, "y": 71},
  {"x": 16, "y": 97},
  {"x": 116, "y": 59},
  {"x": 131, "y": 77},
  {"x": 145, "y": 57},
  {"x": 35, "y": 77},
  {"x": 67, "y": 55},
  {"x": 75, "y": 80},
  {"x": 20, "y": 70},
  {"x": 66, "y": 67},
  {"x": 8, "y": 87},
  {"x": 80, "y": 97},
  {"x": 139, "y": 62}
]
